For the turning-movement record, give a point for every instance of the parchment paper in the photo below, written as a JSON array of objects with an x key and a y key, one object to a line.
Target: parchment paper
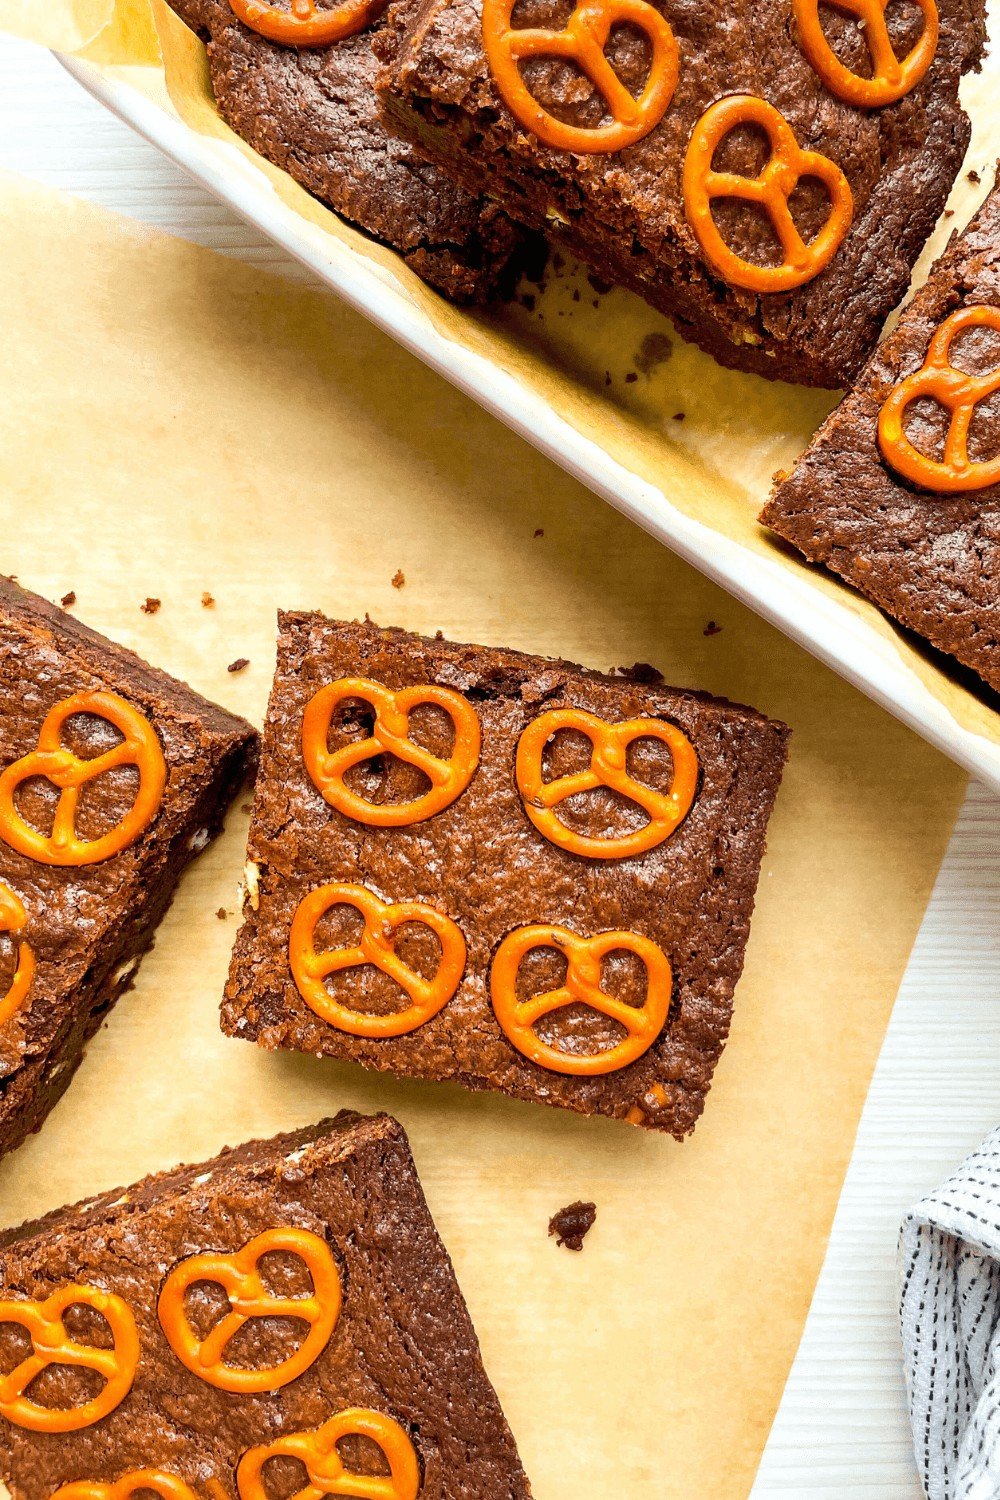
[{"x": 173, "y": 423}]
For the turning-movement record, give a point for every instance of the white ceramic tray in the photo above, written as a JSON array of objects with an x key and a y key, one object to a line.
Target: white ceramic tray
[{"x": 817, "y": 619}]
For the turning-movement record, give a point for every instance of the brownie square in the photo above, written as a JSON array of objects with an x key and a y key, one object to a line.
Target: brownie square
[
  {"x": 314, "y": 113},
  {"x": 75, "y": 919},
  {"x": 623, "y": 210},
  {"x": 929, "y": 558},
  {"x": 470, "y": 853},
  {"x": 345, "y": 1322}
]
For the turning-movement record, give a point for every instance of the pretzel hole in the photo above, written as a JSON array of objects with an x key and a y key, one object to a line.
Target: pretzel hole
[
  {"x": 561, "y": 86},
  {"x": 847, "y": 35},
  {"x": 578, "y": 1028},
  {"x": 10, "y": 950},
  {"x": 265, "y": 1341},
  {"x": 604, "y": 813},
  {"x": 101, "y": 803},
  {"x": 57, "y": 1386},
  {"x": 385, "y": 779},
  {"x": 364, "y": 987},
  {"x": 748, "y": 228},
  {"x": 925, "y": 424}
]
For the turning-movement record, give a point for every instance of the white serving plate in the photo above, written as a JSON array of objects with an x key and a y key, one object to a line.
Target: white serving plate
[{"x": 824, "y": 625}]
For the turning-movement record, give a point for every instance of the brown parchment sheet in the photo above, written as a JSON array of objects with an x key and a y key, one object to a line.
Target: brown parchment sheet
[
  {"x": 173, "y": 423},
  {"x": 716, "y": 465}
]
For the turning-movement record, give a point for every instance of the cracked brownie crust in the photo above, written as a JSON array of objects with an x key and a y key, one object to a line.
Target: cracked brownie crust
[
  {"x": 482, "y": 863},
  {"x": 402, "y": 1345},
  {"x": 315, "y": 114},
  {"x": 88, "y": 926},
  {"x": 623, "y": 212},
  {"x": 932, "y": 561}
]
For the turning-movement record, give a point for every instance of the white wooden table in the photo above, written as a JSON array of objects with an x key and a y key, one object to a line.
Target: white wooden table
[{"x": 842, "y": 1427}]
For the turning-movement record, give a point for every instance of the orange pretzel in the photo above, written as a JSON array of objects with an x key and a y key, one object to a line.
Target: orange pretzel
[
  {"x": 582, "y": 42},
  {"x": 582, "y": 986},
  {"x": 938, "y": 380},
  {"x": 305, "y": 25},
  {"x": 389, "y": 736},
  {"x": 891, "y": 77},
  {"x": 69, "y": 772},
  {"x": 52, "y": 1345},
  {"x": 13, "y": 921},
  {"x": 607, "y": 768},
  {"x": 158, "y": 1481},
  {"x": 239, "y": 1277},
  {"x": 310, "y": 969},
  {"x": 786, "y": 166},
  {"x": 317, "y": 1451}
]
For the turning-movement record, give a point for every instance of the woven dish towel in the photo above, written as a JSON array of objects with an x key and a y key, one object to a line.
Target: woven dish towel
[{"x": 950, "y": 1315}]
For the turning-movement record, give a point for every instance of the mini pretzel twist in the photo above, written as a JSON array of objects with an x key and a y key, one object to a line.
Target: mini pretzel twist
[
  {"x": 959, "y": 394},
  {"x": 239, "y": 1276},
  {"x": 772, "y": 188},
  {"x": 52, "y": 1345},
  {"x": 14, "y": 922},
  {"x": 390, "y": 736},
  {"x": 69, "y": 772},
  {"x": 891, "y": 77},
  {"x": 583, "y": 41},
  {"x": 608, "y": 768},
  {"x": 325, "y": 1470},
  {"x": 310, "y": 969},
  {"x": 305, "y": 24},
  {"x": 157, "y": 1481},
  {"x": 582, "y": 986}
]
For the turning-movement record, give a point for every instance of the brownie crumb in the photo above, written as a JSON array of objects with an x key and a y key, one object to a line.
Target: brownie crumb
[
  {"x": 207, "y": 601},
  {"x": 599, "y": 284},
  {"x": 631, "y": 378},
  {"x": 711, "y": 628},
  {"x": 654, "y": 351},
  {"x": 974, "y": 176},
  {"x": 679, "y": 416},
  {"x": 150, "y": 607},
  {"x": 398, "y": 578},
  {"x": 643, "y": 671},
  {"x": 607, "y": 377},
  {"x": 222, "y": 914},
  {"x": 949, "y": 213},
  {"x": 572, "y": 1223},
  {"x": 539, "y": 531},
  {"x": 527, "y": 301},
  {"x": 246, "y": 807},
  {"x": 239, "y": 664},
  {"x": 68, "y": 600}
]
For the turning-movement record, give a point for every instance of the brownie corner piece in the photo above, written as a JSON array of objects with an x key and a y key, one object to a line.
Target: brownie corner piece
[
  {"x": 415, "y": 907},
  {"x": 288, "y": 1304},
  {"x": 313, "y": 112},
  {"x": 876, "y": 497},
  {"x": 112, "y": 777},
  {"x": 648, "y": 213}
]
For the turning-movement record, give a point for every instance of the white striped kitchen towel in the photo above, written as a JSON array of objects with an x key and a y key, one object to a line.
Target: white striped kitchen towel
[{"x": 950, "y": 1315}]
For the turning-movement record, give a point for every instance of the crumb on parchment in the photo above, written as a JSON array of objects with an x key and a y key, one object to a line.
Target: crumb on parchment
[
  {"x": 572, "y": 1223},
  {"x": 239, "y": 665},
  {"x": 151, "y": 606}
]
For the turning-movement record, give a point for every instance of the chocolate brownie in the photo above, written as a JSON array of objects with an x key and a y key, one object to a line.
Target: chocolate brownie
[
  {"x": 285, "y": 1310},
  {"x": 624, "y": 211},
  {"x": 88, "y": 863},
  {"x": 407, "y": 901},
  {"x": 929, "y": 556},
  {"x": 314, "y": 113}
]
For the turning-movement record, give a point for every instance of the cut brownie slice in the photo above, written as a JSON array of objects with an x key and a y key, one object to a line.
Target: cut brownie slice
[
  {"x": 879, "y": 498},
  {"x": 315, "y": 114},
  {"x": 630, "y": 210},
  {"x": 112, "y": 776},
  {"x": 438, "y": 884},
  {"x": 284, "y": 1314}
]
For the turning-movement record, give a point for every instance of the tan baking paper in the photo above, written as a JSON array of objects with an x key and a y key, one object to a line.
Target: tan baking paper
[{"x": 173, "y": 423}]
